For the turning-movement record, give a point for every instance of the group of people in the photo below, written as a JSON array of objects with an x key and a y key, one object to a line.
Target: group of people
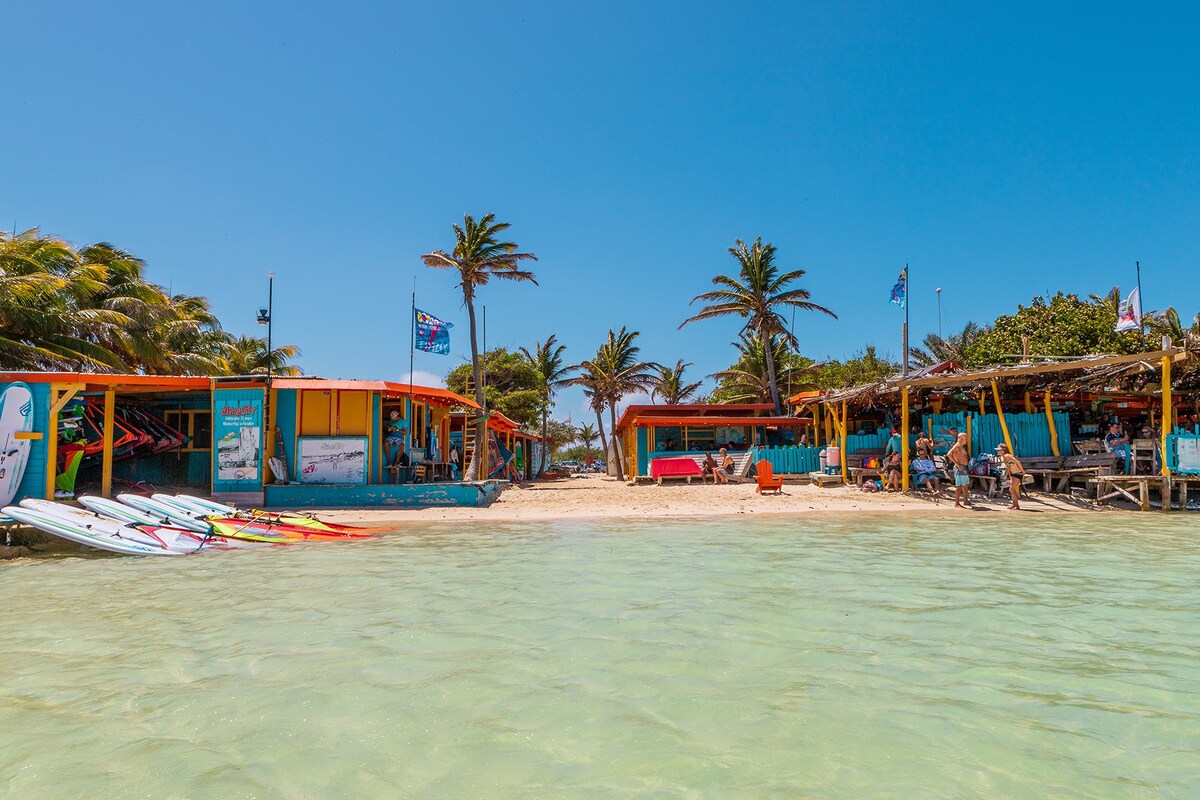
[
  {"x": 926, "y": 474},
  {"x": 719, "y": 469}
]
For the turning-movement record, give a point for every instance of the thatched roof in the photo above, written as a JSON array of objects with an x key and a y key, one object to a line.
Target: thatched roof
[{"x": 1095, "y": 373}]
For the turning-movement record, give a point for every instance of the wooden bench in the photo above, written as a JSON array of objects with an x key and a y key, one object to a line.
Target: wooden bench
[
  {"x": 1057, "y": 472},
  {"x": 741, "y": 466}
]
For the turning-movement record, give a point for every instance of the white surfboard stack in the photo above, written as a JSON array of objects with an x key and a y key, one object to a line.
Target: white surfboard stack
[{"x": 16, "y": 416}]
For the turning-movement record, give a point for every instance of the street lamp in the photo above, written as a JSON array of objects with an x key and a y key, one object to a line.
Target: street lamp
[{"x": 264, "y": 318}]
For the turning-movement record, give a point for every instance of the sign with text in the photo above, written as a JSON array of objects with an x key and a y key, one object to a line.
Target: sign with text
[{"x": 237, "y": 439}]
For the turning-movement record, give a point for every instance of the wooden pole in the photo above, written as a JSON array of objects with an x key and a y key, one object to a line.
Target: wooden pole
[
  {"x": 1000, "y": 414},
  {"x": 52, "y": 444},
  {"x": 1166, "y": 425},
  {"x": 1050, "y": 422},
  {"x": 1028, "y": 403},
  {"x": 844, "y": 424},
  {"x": 106, "y": 468},
  {"x": 969, "y": 439},
  {"x": 982, "y": 408},
  {"x": 904, "y": 439},
  {"x": 60, "y": 395}
]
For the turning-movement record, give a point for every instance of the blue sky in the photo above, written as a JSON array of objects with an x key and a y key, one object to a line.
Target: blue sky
[{"x": 1003, "y": 150}]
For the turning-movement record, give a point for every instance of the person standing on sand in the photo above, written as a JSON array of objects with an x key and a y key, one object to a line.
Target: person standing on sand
[
  {"x": 957, "y": 456},
  {"x": 1016, "y": 473}
]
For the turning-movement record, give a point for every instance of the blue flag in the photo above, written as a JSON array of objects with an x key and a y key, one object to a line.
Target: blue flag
[
  {"x": 431, "y": 334},
  {"x": 900, "y": 290}
]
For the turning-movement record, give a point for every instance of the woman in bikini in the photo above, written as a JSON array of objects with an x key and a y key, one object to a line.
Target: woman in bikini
[{"x": 1016, "y": 473}]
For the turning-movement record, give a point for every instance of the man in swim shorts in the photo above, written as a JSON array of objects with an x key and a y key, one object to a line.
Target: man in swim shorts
[{"x": 957, "y": 456}]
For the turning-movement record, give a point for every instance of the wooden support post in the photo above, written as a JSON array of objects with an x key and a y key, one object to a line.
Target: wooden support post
[
  {"x": 106, "y": 468},
  {"x": 970, "y": 451},
  {"x": 1050, "y": 421},
  {"x": 60, "y": 395},
  {"x": 982, "y": 407},
  {"x": 1028, "y": 403},
  {"x": 1166, "y": 415},
  {"x": 1000, "y": 414},
  {"x": 844, "y": 426},
  {"x": 904, "y": 439}
]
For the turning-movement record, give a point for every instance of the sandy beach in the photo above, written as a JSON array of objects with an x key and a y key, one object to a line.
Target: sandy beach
[{"x": 600, "y": 497}]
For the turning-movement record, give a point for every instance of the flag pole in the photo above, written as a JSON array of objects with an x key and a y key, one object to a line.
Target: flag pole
[
  {"x": 904, "y": 330},
  {"x": 1141, "y": 304},
  {"x": 412, "y": 347}
]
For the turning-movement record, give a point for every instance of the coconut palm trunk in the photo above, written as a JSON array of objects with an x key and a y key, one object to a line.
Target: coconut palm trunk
[
  {"x": 616, "y": 468},
  {"x": 768, "y": 349},
  {"x": 472, "y": 472},
  {"x": 600, "y": 429}
]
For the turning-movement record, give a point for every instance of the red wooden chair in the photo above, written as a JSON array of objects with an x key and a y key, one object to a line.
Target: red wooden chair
[{"x": 766, "y": 478}]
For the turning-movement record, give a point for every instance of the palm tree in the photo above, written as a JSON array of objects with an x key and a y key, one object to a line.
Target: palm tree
[
  {"x": 45, "y": 321},
  {"x": 748, "y": 380},
  {"x": 618, "y": 372},
  {"x": 586, "y": 434},
  {"x": 591, "y": 381},
  {"x": 756, "y": 295},
  {"x": 1112, "y": 299},
  {"x": 670, "y": 386},
  {"x": 547, "y": 361},
  {"x": 479, "y": 255},
  {"x": 951, "y": 348},
  {"x": 247, "y": 355}
]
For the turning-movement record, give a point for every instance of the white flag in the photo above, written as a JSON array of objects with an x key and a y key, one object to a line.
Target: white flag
[{"x": 1129, "y": 316}]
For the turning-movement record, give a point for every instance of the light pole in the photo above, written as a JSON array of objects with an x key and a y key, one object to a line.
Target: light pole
[
  {"x": 264, "y": 318},
  {"x": 939, "y": 296}
]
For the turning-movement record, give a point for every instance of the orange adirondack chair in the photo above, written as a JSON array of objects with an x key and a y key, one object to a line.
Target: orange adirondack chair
[{"x": 766, "y": 477}]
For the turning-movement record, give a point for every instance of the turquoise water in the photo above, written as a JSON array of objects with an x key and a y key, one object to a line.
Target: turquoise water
[{"x": 988, "y": 655}]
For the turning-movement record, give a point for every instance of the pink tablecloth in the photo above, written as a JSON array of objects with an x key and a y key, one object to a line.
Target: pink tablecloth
[{"x": 663, "y": 467}]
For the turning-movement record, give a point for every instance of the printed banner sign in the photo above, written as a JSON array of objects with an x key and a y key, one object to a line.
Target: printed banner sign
[
  {"x": 237, "y": 438},
  {"x": 332, "y": 460}
]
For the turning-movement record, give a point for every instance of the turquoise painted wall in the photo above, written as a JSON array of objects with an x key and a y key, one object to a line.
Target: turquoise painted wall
[
  {"x": 285, "y": 420},
  {"x": 420, "y": 495},
  {"x": 33, "y": 484},
  {"x": 643, "y": 451}
]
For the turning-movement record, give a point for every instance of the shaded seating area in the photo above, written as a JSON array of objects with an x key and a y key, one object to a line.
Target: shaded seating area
[{"x": 1070, "y": 421}]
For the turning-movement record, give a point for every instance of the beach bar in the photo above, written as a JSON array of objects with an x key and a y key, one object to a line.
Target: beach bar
[
  {"x": 649, "y": 432},
  {"x": 1053, "y": 414},
  {"x": 308, "y": 443}
]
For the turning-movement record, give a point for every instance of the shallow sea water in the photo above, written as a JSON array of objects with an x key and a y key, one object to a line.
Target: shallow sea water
[{"x": 839, "y": 656}]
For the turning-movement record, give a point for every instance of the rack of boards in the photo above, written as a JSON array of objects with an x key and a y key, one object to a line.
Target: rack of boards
[{"x": 171, "y": 525}]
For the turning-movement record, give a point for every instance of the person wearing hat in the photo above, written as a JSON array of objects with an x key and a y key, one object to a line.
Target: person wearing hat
[{"x": 1016, "y": 473}]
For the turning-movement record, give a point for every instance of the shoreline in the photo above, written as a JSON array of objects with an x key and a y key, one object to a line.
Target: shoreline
[{"x": 590, "y": 497}]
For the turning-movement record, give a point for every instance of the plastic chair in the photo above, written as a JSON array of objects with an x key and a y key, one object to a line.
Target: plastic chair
[{"x": 766, "y": 478}]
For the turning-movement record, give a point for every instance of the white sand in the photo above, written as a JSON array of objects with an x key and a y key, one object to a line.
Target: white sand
[{"x": 598, "y": 497}]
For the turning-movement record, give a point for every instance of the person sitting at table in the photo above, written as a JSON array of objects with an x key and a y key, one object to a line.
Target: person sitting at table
[
  {"x": 1118, "y": 444},
  {"x": 927, "y": 474},
  {"x": 709, "y": 467},
  {"x": 892, "y": 470}
]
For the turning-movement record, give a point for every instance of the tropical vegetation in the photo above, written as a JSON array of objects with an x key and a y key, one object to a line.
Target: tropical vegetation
[
  {"x": 758, "y": 294},
  {"x": 547, "y": 361},
  {"x": 478, "y": 256},
  {"x": 93, "y": 309}
]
